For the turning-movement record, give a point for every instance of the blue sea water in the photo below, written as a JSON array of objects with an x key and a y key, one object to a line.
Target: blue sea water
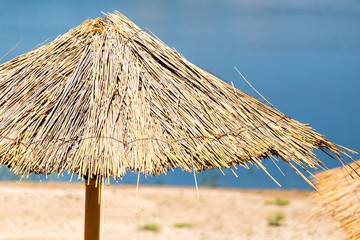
[{"x": 303, "y": 56}]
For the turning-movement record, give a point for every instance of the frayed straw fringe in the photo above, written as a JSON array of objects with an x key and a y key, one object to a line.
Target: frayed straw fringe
[
  {"x": 106, "y": 98},
  {"x": 339, "y": 197}
]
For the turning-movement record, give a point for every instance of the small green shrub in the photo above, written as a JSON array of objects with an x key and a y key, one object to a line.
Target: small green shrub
[
  {"x": 275, "y": 219},
  {"x": 183, "y": 225},
  {"x": 278, "y": 201},
  {"x": 281, "y": 201},
  {"x": 150, "y": 227}
]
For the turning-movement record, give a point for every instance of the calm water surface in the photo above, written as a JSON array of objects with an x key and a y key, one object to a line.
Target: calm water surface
[{"x": 303, "y": 56}]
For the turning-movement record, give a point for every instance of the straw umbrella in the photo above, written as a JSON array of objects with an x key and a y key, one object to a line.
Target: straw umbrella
[
  {"x": 339, "y": 197},
  {"x": 106, "y": 98}
]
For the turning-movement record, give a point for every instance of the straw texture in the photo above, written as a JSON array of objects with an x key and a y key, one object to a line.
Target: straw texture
[
  {"x": 339, "y": 197},
  {"x": 106, "y": 97}
]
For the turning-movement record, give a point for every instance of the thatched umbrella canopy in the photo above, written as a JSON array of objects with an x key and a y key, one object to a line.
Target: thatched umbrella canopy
[
  {"x": 106, "y": 98},
  {"x": 339, "y": 197}
]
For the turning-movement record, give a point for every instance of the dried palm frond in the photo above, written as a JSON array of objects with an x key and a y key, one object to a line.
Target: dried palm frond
[
  {"x": 106, "y": 97},
  {"x": 339, "y": 197}
]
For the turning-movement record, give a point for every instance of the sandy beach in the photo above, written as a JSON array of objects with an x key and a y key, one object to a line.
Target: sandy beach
[{"x": 55, "y": 210}]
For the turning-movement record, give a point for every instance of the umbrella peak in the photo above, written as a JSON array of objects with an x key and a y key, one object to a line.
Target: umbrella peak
[
  {"x": 95, "y": 26},
  {"x": 110, "y": 22}
]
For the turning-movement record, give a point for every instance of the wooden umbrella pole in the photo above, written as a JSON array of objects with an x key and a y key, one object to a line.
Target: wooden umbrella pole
[{"x": 92, "y": 210}]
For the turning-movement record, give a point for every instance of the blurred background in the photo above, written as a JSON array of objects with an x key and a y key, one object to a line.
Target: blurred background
[{"x": 303, "y": 56}]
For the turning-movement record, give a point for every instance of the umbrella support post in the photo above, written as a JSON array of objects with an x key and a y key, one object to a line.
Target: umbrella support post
[{"x": 92, "y": 210}]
